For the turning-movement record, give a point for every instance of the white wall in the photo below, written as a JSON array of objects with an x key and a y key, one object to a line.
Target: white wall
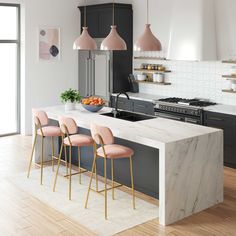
[{"x": 43, "y": 81}]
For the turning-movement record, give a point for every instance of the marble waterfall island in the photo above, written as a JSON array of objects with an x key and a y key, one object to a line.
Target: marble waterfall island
[{"x": 179, "y": 163}]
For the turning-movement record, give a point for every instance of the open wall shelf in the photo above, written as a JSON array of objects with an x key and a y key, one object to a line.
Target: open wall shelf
[
  {"x": 151, "y": 71},
  {"x": 150, "y": 82},
  {"x": 150, "y": 58},
  {"x": 229, "y": 61},
  {"x": 230, "y": 77},
  {"x": 228, "y": 91}
]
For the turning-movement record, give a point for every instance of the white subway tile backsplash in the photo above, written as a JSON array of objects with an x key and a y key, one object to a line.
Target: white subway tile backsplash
[{"x": 192, "y": 79}]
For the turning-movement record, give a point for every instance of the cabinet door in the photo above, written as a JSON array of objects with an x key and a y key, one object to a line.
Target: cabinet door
[
  {"x": 228, "y": 125},
  {"x": 105, "y": 22},
  {"x": 123, "y": 103},
  {"x": 143, "y": 107},
  {"x": 93, "y": 23}
]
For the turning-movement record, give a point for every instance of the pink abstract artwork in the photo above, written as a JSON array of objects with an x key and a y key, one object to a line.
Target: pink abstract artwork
[{"x": 49, "y": 44}]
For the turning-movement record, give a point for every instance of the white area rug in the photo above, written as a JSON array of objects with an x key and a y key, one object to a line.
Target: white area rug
[{"x": 121, "y": 215}]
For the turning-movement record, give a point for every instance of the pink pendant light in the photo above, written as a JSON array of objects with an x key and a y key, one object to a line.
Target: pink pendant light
[
  {"x": 85, "y": 41},
  {"x": 113, "y": 41},
  {"x": 147, "y": 41}
]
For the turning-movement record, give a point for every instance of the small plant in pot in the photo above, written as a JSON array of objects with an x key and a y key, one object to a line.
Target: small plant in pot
[{"x": 70, "y": 98}]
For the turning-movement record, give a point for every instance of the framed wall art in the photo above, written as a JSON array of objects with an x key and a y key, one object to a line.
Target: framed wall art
[{"x": 49, "y": 44}]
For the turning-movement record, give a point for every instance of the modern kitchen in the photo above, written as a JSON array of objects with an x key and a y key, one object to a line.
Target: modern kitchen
[{"x": 122, "y": 119}]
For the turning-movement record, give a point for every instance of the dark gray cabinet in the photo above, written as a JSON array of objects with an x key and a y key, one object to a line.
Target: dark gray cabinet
[
  {"x": 99, "y": 21},
  {"x": 133, "y": 105},
  {"x": 143, "y": 107},
  {"x": 228, "y": 124}
]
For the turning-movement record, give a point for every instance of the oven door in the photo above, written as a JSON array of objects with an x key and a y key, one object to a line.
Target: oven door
[
  {"x": 179, "y": 117},
  {"x": 168, "y": 115},
  {"x": 194, "y": 120}
]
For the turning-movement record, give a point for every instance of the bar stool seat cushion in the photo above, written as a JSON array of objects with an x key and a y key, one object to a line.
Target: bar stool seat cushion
[
  {"x": 50, "y": 131},
  {"x": 79, "y": 140},
  {"x": 115, "y": 151}
]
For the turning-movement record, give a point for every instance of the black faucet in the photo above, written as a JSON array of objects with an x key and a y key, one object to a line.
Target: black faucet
[{"x": 116, "y": 105}]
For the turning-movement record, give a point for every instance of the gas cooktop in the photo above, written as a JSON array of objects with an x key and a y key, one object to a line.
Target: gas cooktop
[{"x": 187, "y": 102}]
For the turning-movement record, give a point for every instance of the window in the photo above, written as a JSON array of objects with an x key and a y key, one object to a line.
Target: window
[{"x": 9, "y": 68}]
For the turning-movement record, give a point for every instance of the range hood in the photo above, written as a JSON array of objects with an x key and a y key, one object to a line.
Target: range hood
[{"x": 192, "y": 31}]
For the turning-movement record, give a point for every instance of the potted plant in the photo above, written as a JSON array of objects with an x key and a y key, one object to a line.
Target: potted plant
[{"x": 70, "y": 98}]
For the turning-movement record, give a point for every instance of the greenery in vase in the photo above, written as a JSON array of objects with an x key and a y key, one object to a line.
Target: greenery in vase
[{"x": 70, "y": 95}]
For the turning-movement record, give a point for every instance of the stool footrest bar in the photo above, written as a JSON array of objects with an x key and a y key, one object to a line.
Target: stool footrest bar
[{"x": 76, "y": 173}]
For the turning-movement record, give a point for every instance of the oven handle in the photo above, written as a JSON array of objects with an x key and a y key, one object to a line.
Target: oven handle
[{"x": 164, "y": 115}]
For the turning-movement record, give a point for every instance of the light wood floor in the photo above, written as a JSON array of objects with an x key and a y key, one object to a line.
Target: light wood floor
[{"x": 22, "y": 214}]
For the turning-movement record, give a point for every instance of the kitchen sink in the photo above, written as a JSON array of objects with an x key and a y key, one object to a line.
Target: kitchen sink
[{"x": 129, "y": 116}]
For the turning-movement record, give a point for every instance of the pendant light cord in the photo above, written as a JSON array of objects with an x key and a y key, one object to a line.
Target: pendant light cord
[
  {"x": 113, "y": 18},
  {"x": 85, "y": 13},
  {"x": 147, "y": 12}
]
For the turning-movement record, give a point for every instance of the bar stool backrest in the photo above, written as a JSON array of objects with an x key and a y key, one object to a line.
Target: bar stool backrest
[
  {"x": 69, "y": 125},
  {"x": 104, "y": 132},
  {"x": 40, "y": 117}
]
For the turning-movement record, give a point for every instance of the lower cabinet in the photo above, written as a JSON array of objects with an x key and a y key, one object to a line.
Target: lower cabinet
[
  {"x": 133, "y": 105},
  {"x": 228, "y": 124}
]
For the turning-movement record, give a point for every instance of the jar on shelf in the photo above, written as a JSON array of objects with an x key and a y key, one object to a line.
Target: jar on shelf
[{"x": 233, "y": 70}]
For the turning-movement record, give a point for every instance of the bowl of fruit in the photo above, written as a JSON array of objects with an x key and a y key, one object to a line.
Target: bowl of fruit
[{"x": 93, "y": 104}]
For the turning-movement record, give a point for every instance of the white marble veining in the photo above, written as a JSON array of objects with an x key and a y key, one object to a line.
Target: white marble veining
[
  {"x": 154, "y": 132},
  {"x": 224, "y": 109},
  {"x": 193, "y": 176},
  {"x": 142, "y": 96},
  {"x": 190, "y": 158}
]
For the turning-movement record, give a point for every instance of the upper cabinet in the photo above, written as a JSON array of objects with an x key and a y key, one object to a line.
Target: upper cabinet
[{"x": 99, "y": 20}]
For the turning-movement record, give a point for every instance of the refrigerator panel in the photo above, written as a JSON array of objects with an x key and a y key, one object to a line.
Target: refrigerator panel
[
  {"x": 84, "y": 73},
  {"x": 101, "y": 75}
]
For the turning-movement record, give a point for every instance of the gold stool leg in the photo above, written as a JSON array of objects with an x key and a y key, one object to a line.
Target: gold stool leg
[
  {"x": 132, "y": 181},
  {"x": 58, "y": 166},
  {"x": 66, "y": 160},
  {"x": 105, "y": 176},
  {"x": 95, "y": 154},
  {"x": 70, "y": 174},
  {"x": 96, "y": 176},
  {"x": 53, "y": 152},
  {"x": 41, "y": 177},
  {"x": 31, "y": 156},
  {"x": 90, "y": 182},
  {"x": 112, "y": 177},
  {"x": 79, "y": 164}
]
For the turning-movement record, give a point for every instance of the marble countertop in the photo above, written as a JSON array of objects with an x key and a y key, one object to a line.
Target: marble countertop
[
  {"x": 142, "y": 96},
  {"x": 154, "y": 132},
  {"x": 224, "y": 109},
  {"x": 190, "y": 157}
]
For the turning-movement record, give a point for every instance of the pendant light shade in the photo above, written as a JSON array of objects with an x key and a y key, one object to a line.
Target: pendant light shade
[
  {"x": 85, "y": 41},
  {"x": 147, "y": 41},
  {"x": 113, "y": 41}
]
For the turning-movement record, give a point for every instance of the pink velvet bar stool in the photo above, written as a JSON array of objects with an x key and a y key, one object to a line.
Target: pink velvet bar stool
[
  {"x": 44, "y": 130},
  {"x": 71, "y": 138},
  {"x": 109, "y": 150}
]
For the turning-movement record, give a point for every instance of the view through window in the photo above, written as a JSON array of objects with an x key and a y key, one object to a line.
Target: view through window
[{"x": 9, "y": 69}]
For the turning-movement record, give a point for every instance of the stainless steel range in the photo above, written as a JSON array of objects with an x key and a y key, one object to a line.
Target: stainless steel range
[{"x": 186, "y": 110}]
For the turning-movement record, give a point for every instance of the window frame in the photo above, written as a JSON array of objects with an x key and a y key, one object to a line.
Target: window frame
[{"x": 18, "y": 78}]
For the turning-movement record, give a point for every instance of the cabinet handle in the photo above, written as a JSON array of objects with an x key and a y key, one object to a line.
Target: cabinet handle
[
  {"x": 215, "y": 119},
  {"x": 143, "y": 106}
]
